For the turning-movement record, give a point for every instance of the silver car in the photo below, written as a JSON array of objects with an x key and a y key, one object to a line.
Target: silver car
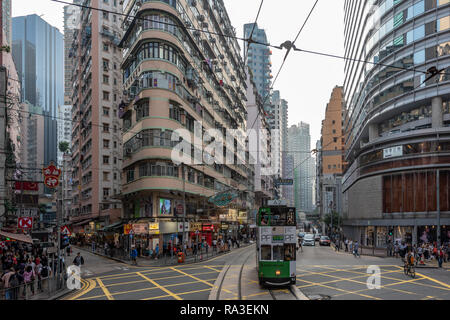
[{"x": 309, "y": 240}]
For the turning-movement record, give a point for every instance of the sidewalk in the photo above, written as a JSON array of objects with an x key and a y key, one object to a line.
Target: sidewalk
[
  {"x": 382, "y": 253},
  {"x": 164, "y": 261}
]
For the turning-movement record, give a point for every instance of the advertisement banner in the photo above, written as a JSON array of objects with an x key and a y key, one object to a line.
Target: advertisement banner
[
  {"x": 127, "y": 228},
  {"x": 140, "y": 228},
  {"x": 195, "y": 226}
]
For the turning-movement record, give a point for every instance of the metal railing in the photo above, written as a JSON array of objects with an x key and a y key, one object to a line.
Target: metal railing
[{"x": 38, "y": 289}]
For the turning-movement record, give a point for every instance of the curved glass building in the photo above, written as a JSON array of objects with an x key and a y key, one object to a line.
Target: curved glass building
[{"x": 397, "y": 183}]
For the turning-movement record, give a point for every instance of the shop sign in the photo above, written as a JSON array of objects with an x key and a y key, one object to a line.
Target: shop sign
[
  {"x": 224, "y": 226},
  {"x": 393, "y": 152},
  {"x": 208, "y": 227},
  {"x": 140, "y": 228},
  {"x": 195, "y": 226},
  {"x": 180, "y": 227},
  {"x": 127, "y": 228},
  {"x": 153, "y": 226}
]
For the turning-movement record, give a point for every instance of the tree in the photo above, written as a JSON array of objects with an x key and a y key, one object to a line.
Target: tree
[
  {"x": 327, "y": 219},
  {"x": 63, "y": 146}
]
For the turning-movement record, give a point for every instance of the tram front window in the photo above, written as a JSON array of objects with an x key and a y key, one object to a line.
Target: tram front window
[
  {"x": 266, "y": 253},
  {"x": 278, "y": 253},
  {"x": 289, "y": 252}
]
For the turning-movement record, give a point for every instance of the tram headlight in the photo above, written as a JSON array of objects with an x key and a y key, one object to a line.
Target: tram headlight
[{"x": 277, "y": 272}]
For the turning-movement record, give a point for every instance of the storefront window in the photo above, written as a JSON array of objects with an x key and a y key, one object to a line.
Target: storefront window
[{"x": 381, "y": 237}]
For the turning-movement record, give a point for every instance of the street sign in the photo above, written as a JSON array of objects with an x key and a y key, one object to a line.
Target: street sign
[
  {"x": 127, "y": 228},
  {"x": 277, "y": 203},
  {"x": 25, "y": 223},
  {"x": 51, "y": 176},
  {"x": 65, "y": 230},
  {"x": 284, "y": 182}
]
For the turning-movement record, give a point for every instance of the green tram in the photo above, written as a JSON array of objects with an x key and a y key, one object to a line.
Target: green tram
[{"x": 276, "y": 246}]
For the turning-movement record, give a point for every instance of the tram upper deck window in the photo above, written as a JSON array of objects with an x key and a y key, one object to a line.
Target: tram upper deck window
[
  {"x": 278, "y": 218},
  {"x": 266, "y": 253}
]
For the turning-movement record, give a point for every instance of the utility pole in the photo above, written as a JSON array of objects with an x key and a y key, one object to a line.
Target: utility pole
[
  {"x": 438, "y": 209},
  {"x": 185, "y": 234},
  {"x": 3, "y": 123}
]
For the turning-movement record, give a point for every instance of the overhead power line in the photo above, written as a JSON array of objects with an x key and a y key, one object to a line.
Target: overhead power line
[{"x": 250, "y": 38}]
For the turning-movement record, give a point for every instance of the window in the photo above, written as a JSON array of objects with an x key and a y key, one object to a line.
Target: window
[
  {"x": 106, "y": 95},
  {"x": 105, "y": 192},
  {"x": 142, "y": 110},
  {"x": 105, "y": 47},
  {"x": 105, "y": 176},
  {"x": 174, "y": 112},
  {"x": 130, "y": 174},
  {"x": 105, "y": 144},
  {"x": 105, "y": 159},
  {"x": 106, "y": 127},
  {"x": 105, "y": 79},
  {"x": 106, "y": 65},
  {"x": 106, "y": 111},
  {"x": 115, "y": 160},
  {"x": 266, "y": 253},
  {"x": 115, "y": 175},
  {"x": 115, "y": 144}
]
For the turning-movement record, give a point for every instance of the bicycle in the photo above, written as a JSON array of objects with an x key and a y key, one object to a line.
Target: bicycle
[{"x": 409, "y": 269}]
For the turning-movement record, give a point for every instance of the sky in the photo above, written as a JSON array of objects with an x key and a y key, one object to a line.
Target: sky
[{"x": 306, "y": 81}]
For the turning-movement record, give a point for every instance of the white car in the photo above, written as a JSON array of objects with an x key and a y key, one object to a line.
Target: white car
[{"x": 308, "y": 240}]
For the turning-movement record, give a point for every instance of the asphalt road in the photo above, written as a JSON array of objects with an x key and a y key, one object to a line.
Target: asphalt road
[
  {"x": 323, "y": 273},
  {"x": 106, "y": 280}
]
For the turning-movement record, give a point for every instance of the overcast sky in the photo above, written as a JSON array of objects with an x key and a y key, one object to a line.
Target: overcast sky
[{"x": 306, "y": 81}]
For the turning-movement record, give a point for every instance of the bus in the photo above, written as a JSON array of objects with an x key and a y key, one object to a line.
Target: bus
[{"x": 276, "y": 246}]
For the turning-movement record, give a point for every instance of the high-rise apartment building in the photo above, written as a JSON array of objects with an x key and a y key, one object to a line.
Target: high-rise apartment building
[
  {"x": 331, "y": 157},
  {"x": 398, "y": 142},
  {"x": 259, "y": 61},
  {"x": 64, "y": 128},
  {"x": 176, "y": 77},
  {"x": 299, "y": 146},
  {"x": 261, "y": 148},
  {"x": 5, "y": 23},
  {"x": 71, "y": 14},
  {"x": 38, "y": 54},
  {"x": 97, "y": 129}
]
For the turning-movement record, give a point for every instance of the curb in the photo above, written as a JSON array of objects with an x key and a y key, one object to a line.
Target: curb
[
  {"x": 60, "y": 295},
  {"x": 163, "y": 265},
  {"x": 298, "y": 294}
]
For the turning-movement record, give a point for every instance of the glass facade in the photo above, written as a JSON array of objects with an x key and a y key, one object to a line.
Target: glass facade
[{"x": 38, "y": 52}]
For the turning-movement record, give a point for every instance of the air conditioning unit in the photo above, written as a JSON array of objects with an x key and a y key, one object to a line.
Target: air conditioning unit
[
  {"x": 205, "y": 25},
  {"x": 197, "y": 34},
  {"x": 201, "y": 18},
  {"x": 194, "y": 3}
]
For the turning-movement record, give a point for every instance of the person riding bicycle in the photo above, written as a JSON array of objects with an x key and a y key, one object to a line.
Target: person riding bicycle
[{"x": 409, "y": 259}]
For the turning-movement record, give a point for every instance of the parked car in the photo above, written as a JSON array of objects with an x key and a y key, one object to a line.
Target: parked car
[
  {"x": 324, "y": 241},
  {"x": 317, "y": 237},
  {"x": 308, "y": 240}
]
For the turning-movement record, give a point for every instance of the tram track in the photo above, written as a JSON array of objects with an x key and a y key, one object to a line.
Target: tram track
[{"x": 276, "y": 294}]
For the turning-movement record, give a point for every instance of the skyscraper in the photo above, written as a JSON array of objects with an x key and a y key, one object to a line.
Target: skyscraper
[
  {"x": 38, "y": 54},
  {"x": 258, "y": 59},
  {"x": 299, "y": 146},
  {"x": 398, "y": 129}
]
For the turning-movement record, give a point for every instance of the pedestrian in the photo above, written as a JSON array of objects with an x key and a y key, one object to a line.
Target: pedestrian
[
  {"x": 355, "y": 251},
  {"x": 134, "y": 254},
  {"x": 79, "y": 260},
  {"x": 346, "y": 245},
  {"x": 10, "y": 281},
  {"x": 68, "y": 249},
  {"x": 106, "y": 248},
  {"x": 440, "y": 256},
  {"x": 214, "y": 243},
  {"x": 93, "y": 245},
  {"x": 29, "y": 277},
  {"x": 350, "y": 246},
  {"x": 396, "y": 249}
]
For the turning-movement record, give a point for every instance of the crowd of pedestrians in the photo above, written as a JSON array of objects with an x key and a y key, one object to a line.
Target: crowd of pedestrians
[
  {"x": 24, "y": 266},
  {"x": 425, "y": 252}
]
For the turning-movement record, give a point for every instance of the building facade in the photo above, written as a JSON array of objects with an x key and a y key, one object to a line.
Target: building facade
[
  {"x": 259, "y": 61},
  {"x": 176, "y": 78},
  {"x": 38, "y": 54},
  {"x": 398, "y": 136},
  {"x": 331, "y": 158},
  {"x": 96, "y": 134},
  {"x": 64, "y": 128},
  {"x": 299, "y": 146}
]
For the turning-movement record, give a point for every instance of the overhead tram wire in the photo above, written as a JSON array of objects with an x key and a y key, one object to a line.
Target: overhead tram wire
[
  {"x": 163, "y": 23},
  {"x": 250, "y": 38},
  {"x": 288, "y": 45}
]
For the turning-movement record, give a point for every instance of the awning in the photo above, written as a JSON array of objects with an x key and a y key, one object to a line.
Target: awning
[
  {"x": 15, "y": 236},
  {"x": 112, "y": 226},
  {"x": 82, "y": 222}
]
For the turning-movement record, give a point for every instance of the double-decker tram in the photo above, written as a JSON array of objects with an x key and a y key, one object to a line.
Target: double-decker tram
[{"x": 276, "y": 245}]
